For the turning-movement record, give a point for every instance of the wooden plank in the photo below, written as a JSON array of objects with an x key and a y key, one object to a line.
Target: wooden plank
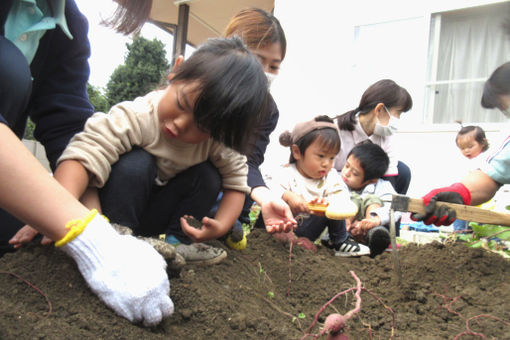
[{"x": 464, "y": 212}]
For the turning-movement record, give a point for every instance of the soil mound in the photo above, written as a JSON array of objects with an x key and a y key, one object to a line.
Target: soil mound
[{"x": 267, "y": 292}]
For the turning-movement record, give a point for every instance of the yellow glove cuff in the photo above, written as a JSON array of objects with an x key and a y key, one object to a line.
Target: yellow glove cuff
[{"x": 76, "y": 227}]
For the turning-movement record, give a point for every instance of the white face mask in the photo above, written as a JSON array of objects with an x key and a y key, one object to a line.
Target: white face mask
[
  {"x": 270, "y": 78},
  {"x": 506, "y": 112},
  {"x": 390, "y": 129}
]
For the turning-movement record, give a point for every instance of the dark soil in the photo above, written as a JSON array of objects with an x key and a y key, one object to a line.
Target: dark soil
[{"x": 259, "y": 294}]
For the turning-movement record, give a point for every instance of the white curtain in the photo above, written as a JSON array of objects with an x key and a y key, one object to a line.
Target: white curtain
[{"x": 472, "y": 44}]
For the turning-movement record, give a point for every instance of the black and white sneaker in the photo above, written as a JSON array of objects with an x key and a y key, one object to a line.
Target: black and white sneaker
[{"x": 351, "y": 248}]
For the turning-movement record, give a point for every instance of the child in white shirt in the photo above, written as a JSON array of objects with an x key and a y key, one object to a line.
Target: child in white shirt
[{"x": 310, "y": 178}]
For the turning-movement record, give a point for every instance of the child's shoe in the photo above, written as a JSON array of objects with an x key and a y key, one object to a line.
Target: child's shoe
[
  {"x": 236, "y": 238},
  {"x": 378, "y": 240},
  {"x": 351, "y": 248},
  {"x": 200, "y": 253}
]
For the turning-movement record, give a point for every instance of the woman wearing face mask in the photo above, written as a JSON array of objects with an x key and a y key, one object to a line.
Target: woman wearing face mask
[
  {"x": 375, "y": 120},
  {"x": 264, "y": 36}
]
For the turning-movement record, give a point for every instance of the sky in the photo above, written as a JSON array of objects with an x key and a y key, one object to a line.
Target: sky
[{"x": 108, "y": 48}]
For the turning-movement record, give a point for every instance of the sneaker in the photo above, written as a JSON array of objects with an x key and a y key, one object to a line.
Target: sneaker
[
  {"x": 378, "y": 240},
  {"x": 236, "y": 238},
  {"x": 351, "y": 248},
  {"x": 201, "y": 253}
]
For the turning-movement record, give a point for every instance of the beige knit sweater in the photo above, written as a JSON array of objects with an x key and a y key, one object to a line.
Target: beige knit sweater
[{"x": 107, "y": 136}]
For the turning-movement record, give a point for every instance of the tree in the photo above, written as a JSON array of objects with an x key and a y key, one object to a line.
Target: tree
[
  {"x": 29, "y": 130},
  {"x": 97, "y": 99},
  {"x": 144, "y": 69}
]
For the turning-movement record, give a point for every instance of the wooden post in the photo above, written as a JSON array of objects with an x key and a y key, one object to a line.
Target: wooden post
[
  {"x": 181, "y": 32},
  {"x": 394, "y": 250}
]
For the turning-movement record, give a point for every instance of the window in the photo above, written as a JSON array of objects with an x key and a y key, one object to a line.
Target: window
[
  {"x": 465, "y": 47},
  {"x": 394, "y": 50}
]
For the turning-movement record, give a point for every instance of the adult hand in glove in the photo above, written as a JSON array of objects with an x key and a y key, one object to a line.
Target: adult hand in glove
[
  {"x": 174, "y": 260},
  {"x": 127, "y": 274},
  {"x": 442, "y": 215}
]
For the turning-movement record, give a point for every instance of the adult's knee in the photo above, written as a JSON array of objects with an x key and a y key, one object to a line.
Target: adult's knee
[
  {"x": 404, "y": 178},
  {"x": 136, "y": 165},
  {"x": 16, "y": 85}
]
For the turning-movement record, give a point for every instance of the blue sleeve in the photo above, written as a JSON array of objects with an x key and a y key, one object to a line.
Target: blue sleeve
[
  {"x": 498, "y": 164},
  {"x": 59, "y": 105},
  {"x": 256, "y": 157}
]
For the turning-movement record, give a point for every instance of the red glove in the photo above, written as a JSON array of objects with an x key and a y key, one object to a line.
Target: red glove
[{"x": 455, "y": 193}]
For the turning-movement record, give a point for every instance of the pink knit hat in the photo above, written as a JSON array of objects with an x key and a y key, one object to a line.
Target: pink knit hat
[{"x": 303, "y": 128}]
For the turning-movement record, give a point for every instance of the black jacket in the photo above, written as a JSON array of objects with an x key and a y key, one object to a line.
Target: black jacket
[{"x": 59, "y": 104}]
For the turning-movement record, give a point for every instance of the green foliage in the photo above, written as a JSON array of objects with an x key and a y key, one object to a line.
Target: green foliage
[
  {"x": 300, "y": 316},
  {"x": 97, "y": 99},
  {"x": 29, "y": 130},
  {"x": 144, "y": 69},
  {"x": 491, "y": 237}
]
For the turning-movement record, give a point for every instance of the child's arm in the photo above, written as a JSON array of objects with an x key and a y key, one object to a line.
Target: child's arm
[
  {"x": 275, "y": 211},
  {"x": 296, "y": 202},
  {"x": 229, "y": 209},
  {"x": 361, "y": 228},
  {"x": 73, "y": 176},
  {"x": 90, "y": 199}
]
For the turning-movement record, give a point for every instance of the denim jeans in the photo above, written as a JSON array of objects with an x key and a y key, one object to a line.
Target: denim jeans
[
  {"x": 400, "y": 182},
  {"x": 313, "y": 226},
  {"x": 15, "y": 90},
  {"x": 131, "y": 198}
]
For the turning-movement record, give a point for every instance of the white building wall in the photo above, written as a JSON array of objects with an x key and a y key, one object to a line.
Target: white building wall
[
  {"x": 319, "y": 76},
  {"x": 38, "y": 151}
]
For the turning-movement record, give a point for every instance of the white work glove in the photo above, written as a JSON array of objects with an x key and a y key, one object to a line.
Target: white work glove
[{"x": 127, "y": 274}]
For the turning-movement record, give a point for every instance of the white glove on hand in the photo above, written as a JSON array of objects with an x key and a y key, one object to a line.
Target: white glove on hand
[{"x": 127, "y": 274}]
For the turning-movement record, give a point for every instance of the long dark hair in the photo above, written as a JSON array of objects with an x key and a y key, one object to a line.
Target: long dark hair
[
  {"x": 129, "y": 16},
  {"x": 233, "y": 91},
  {"x": 498, "y": 84},
  {"x": 384, "y": 91}
]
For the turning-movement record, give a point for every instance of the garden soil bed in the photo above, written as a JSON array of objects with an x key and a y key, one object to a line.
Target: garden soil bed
[{"x": 259, "y": 294}]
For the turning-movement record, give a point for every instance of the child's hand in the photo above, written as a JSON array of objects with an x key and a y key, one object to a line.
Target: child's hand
[
  {"x": 25, "y": 235},
  {"x": 277, "y": 217},
  {"x": 296, "y": 203},
  {"x": 361, "y": 228},
  {"x": 209, "y": 230}
]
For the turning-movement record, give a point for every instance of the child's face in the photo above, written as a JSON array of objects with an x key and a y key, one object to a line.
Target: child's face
[
  {"x": 175, "y": 113},
  {"x": 353, "y": 174},
  {"x": 316, "y": 161},
  {"x": 468, "y": 145}
]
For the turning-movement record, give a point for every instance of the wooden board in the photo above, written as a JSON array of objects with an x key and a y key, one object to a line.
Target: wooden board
[{"x": 464, "y": 212}]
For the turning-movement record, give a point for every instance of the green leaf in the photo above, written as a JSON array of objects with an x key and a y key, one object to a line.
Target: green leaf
[
  {"x": 487, "y": 230},
  {"x": 301, "y": 315}
]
